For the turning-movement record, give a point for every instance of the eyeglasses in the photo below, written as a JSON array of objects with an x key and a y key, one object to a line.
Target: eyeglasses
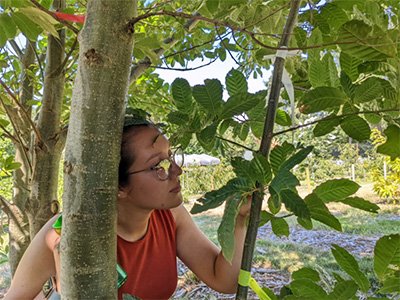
[{"x": 163, "y": 168}]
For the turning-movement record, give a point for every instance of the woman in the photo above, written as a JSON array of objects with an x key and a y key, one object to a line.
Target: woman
[{"x": 153, "y": 228}]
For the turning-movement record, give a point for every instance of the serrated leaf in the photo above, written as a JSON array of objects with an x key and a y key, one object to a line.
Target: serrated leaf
[
  {"x": 8, "y": 29},
  {"x": 356, "y": 127},
  {"x": 367, "y": 91},
  {"x": 262, "y": 169},
  {"x": 182, "y": 94},
  {"x": 284, "y": 180},
  {"x": 321, "y": 213},
  {"x": 243, "y": 168},
  {"x": 224, "y": 125},
  {"x": 360, "y": 203},
  {"x": 322, "y": 98},
  {"x": 390, "y": 285},
  {"x": 274, "y": 203},
  {"x": 316, "y": 72},
  {"x": 374, "y": 119},
  {"x": 345, "y": 290},
  {"x": 238, "y": 104},
  {"x": 347, "y": 262},
  {"x": 349, "y": 64},
  {"x": 235, "y": 82},
  {"x": 297, "y": 158},
  {"x": 306, "y": 273},
  {"x": 280, "y": 227},
  {"x": 216, "y": 198},
  {"x": 325, "y": 127},
  {"x": 307, "y": 289},
  {"x": 305, "y": 223},
  {"x": 278, "y": 155},
  {"x": 265, "y": 217},
  {"x": 178, "y": 118},
  {"x": 335, "y": 189},
  {"x": 392, "y": 145},
  {"x": 209, "y": 95},
  {"x": 387, "y": 255},
  {"x": 295, "y": 204},
  {"x": 207, "y": 137},
  {"x": 282, "y": 118},
  {"x": 28, "y": 28},
  {"x": 226, "y": 229},
  {"x": 334, "y": 15}
]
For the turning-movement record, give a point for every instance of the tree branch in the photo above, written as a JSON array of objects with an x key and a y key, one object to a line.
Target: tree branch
[
  {"x": 23, "y": 110},
  {"x": 234, "y": 143},
  {"x": 16, "y": 49},
  {"x": 335, "y": 117},
  {"x": 65, "y": 23},
  {"x": 185, "y": 69},
  {"x": 8, "y": 134}
]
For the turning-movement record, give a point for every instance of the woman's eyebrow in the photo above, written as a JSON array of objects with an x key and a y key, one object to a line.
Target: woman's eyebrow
[{"x": 153, "y": 156}]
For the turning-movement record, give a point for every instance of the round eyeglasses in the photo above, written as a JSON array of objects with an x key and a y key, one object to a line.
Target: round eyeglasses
[{"x": 163, "y": 168}]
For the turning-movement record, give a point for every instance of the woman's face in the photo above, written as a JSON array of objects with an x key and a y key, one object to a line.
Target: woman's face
[{"x": 145, "y": 190}]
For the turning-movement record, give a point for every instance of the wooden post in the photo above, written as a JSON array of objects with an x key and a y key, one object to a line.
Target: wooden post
[{"x": 308, "y": 180}]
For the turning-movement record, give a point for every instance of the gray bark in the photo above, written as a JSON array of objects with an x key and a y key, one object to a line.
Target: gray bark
[
  {"x": 88, "y": 243},
  {"x": 47, "y": 150}
]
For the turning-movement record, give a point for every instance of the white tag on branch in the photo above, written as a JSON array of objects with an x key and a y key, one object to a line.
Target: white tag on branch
[{"x": 287, "y": 82}]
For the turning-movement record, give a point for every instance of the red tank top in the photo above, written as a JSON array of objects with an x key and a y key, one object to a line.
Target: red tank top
[{"x": 150, "y": 262}]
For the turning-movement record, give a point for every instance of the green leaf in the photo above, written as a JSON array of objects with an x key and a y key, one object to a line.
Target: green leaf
[
  {"x": 387, "y": 255},
  {"x": 316, "y": 72},
  {"x": 367, "y": 91},
  {"x": 224, "y": 125},
  {"x": 243, "y": 168},
  {"x": 226, "y": 229},
  {"x": 216, "y": 198},
  {"x": 178, "y": 118},
  {"x": 297, "y": 158},
  {"x": 274, "y": 203},
  {"x": 283, "y": 180},
  {"x": 307, "y": 289},
  {"x": 347, "y": 262},
  {"x": 332, "y": 76},
  {"x": 356, "y": 127},
  {"x": 262, "y": 169},
  {"x": 305, "y": 223},
  {"x": 28, "y": 28},
  {"x": 13, "y": 166},
  {"x": 392, "y": 145},
  {"x": 44, "y": 20},
  {"x": 238, "y": 104},
  {"x": 390, "y": 285},
  {"x": 322, "y": 98},
  {"x": 321, "y": 213},
  {"x": 345, "y": 290},
  {"x": 265, "y": 217},
  {"x": 207, "y": 137},
  {"x": 306, "y": 273},
  {"x": 349, "y": 64},
  {"x": 373, "y": 119},
  {"x": 282, "y": 118},
  {"x": 4, "y": 123},
  {"x": 335, "y": 189},
  {"x": 209, "y": 96},
  {"x": 360, "y": 203},
  {"x": 295, "y": 204},
  {"x": 235, "y": 82},
  {"x": 334, "y": 15},
  {"x": 182, "y": 94},
  {"x": 8, "y": 29},
  {"x": 280, "y": 227},
  {"x": 278, "y": 155},
  {"x": 15, "y": 3},
  {"x": 325, "y": 127},
  {"x": 46, "y": 3}
]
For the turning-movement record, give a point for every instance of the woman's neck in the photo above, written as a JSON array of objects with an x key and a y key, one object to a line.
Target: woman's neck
[{"x": 132, "y": 224}]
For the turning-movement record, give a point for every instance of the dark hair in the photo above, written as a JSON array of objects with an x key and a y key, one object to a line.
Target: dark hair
[{"x": 127, "y": 156}]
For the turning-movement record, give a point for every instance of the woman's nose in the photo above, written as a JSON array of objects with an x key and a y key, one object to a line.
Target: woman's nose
[{"x": 177, "y": 170}]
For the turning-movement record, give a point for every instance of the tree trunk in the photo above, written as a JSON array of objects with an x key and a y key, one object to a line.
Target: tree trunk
[
  {"x": 88, "y": 243},
  {"x": 266, "y": 141},
  {"x": 43, "y": 204}
]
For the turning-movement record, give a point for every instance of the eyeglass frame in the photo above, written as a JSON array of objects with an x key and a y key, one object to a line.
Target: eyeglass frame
[{"x": 171, "y": 160}]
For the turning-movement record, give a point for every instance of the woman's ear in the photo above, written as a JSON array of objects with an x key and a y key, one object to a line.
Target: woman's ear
[{"x": 121, "y": 192}]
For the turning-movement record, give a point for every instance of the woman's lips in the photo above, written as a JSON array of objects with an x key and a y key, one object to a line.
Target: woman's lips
[{"x": 176, "y": 189}]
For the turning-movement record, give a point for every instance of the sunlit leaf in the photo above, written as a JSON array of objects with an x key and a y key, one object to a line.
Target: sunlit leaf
[
  {"x": 345, "y": 290},
  {"x": 209, "y": 95},
  {"x": 347, "y": 262},
  {"x": 321, "y": 213},
  {"x": 305, "y": 288},
  {"x": 280, "y": 227},
  {"x": 182, "y": 94},
  {"x": 282, "y": 118},
  {"x": 336, "y": 189},
  {"x": 306, "y": 273},
  {"x": 387, "y": 255},
  {"x": 392, "y": 145},
  {"x": 360, "y": 203},
  {"x": 278, "y": 155},
  {"x": 390, "y": 285},
  {"x": 29, "y": 28}
]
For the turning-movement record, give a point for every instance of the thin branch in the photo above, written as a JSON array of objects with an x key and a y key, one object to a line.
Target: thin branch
[
  {"x": 69, "y": 54},
  {"x": 39, "y": 62},
  {"x": 235, "y": 143},
  {"x": 23, "y": 110},
  {"x": 230, "y": 54},
  {"x": 335, "y": 117},
  {"x": 65, "y": 23},
  {"x": 16, "y": 49},
  {"x": 182, "y": 70},
  {"x": 8, "y": 134}
]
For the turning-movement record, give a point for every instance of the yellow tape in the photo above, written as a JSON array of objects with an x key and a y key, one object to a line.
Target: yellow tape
[
  {"x": 244, "y": 278},
  {"x": 258, "y": 290}
]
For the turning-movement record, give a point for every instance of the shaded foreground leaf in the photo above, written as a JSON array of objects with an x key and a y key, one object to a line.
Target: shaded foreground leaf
[
  {"x": 348, "y": 263},
  {"x": 226, "y": 229},
  {"x": 307, "y": 289},
  {"x": 387, "y": 255},
  {"x": 344, "y": 290}
]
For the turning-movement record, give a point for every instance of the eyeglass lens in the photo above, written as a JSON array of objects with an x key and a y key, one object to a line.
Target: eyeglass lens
[{"x": 166, "y": 164}]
